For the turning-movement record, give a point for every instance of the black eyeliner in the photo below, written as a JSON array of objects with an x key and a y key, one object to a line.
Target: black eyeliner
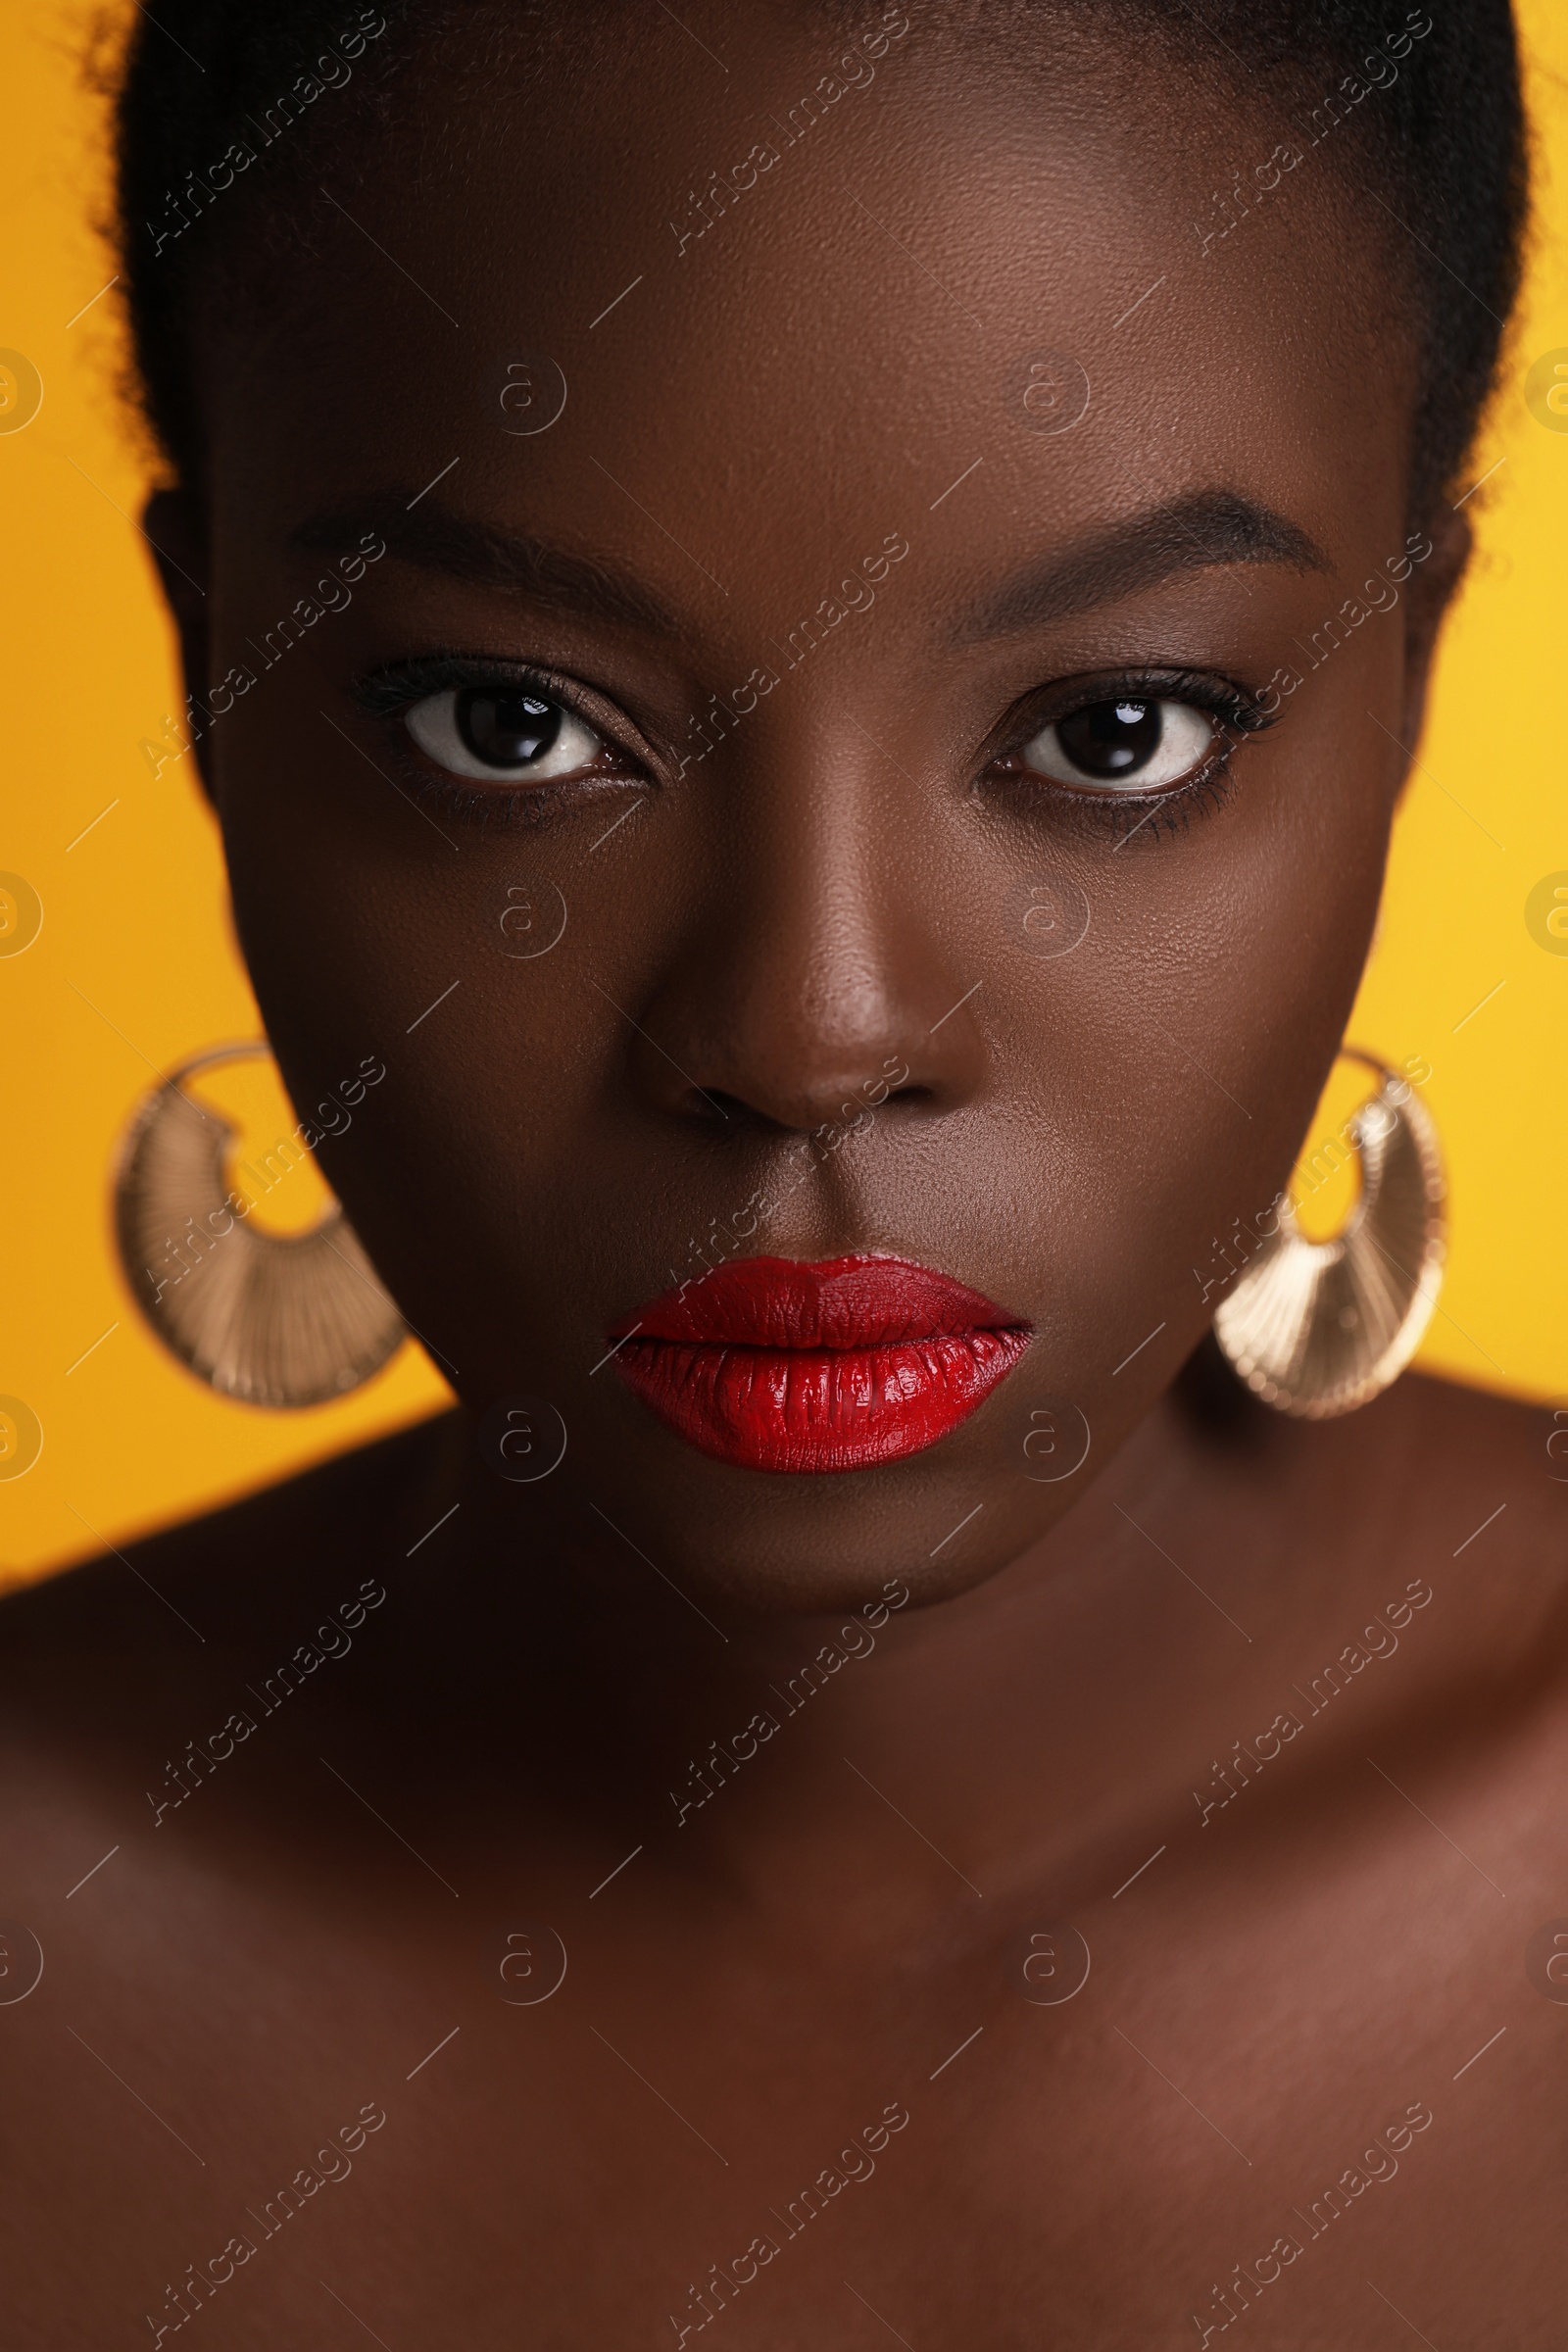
[
  {"x": 387, "y": 692},
  {"x": 1161, "y": 810}
]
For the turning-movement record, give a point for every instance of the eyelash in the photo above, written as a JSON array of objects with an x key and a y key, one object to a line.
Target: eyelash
[
  {"x": 1164, "y": 811},
  {"x": 1168, "y": 810},
  {"x": 389, "y": 693}
]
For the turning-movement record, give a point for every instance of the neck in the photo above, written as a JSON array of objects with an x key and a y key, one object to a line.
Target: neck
[{"x": 1057, "y": 1723}]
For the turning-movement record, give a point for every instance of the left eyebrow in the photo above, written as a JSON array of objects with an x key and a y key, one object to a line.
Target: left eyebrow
[
  {"x": 1191, "y": 533},
  {"x": 502, "y": 561}
]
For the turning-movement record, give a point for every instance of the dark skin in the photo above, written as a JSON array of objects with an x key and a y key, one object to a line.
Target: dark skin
[{"x": 782, "y": 921}]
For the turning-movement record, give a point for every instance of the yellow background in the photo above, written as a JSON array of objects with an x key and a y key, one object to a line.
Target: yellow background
[{"x": 135, "y": 966}]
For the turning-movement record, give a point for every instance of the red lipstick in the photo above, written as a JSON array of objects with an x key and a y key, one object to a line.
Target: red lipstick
[{"x": 775, "y": 1364}]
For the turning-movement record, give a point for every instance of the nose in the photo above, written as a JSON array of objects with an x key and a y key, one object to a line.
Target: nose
[{"x": 812, "y": 979}]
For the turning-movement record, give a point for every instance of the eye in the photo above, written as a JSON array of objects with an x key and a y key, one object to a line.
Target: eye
[
  {"x": 503, "y": 731},
  {"x": 1125, "y": 745}
]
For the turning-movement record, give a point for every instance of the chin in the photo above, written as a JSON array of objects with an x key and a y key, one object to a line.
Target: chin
[{"x": 773, "y": 1542}]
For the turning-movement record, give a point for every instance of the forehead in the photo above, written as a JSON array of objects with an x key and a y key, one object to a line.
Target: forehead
[{"x": 840, "y": 277}]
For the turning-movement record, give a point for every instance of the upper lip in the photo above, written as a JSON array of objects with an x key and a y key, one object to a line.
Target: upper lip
[{"x": 866, "y": 1300}]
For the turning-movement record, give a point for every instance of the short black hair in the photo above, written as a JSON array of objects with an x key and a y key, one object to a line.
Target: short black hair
[{"x": 1421, "y": 108}]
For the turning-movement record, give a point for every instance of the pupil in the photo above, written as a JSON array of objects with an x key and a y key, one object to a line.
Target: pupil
[
  {"x": 1110, "y": 739},
  {"x": 506, "y": 731}
]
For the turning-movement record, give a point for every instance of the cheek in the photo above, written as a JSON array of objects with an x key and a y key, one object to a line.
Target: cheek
[
  {"x": 493, "y": 1166},
  {"x": 1159, "y": 1074},
  {"x": 1164, "y": 1071},
  {"x": 524, "y": 1171}
]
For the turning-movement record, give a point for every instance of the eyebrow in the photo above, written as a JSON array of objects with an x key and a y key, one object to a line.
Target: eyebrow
[
  {"x": 1191, "y": 533},
  {"x": 507, "y": 562}
]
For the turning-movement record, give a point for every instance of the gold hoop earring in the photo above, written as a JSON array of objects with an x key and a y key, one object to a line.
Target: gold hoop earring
[
  {"x": 1318, "y": 1328},
  {"x": 283, "y": 1320}
]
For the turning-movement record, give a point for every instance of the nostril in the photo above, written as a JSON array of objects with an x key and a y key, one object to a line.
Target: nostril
[
  {"x": 714, "y": 1103},
  {"x": 727, "y": 1114}
]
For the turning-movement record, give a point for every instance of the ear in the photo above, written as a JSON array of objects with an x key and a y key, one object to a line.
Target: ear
[
  {"x": 175, "y": 531},
  {"x": 1434, "y": 583}
]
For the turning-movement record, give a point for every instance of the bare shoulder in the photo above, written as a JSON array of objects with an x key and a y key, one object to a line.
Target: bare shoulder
[
  {"x": 126, "y": 1682},
  {"x": 1465, "y": 1494},
  {"x": 1447, "y": 1470},
  {"x": 177, "y": 1606},
  {"x": 1478, "y": 1421}
]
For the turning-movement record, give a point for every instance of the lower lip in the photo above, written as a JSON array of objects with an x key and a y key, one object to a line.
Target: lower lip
[{"x": 795, "y": 1409}]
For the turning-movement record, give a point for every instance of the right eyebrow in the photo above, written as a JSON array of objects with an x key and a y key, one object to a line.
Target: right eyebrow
[
  {"x": 507, "y": 562},
  {"x": 1139, "y": 551}
]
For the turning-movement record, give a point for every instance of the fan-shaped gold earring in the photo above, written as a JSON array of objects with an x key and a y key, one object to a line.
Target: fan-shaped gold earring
[
  {"x": 284, "y": 1320},
  {"x": 1318, "y": 1328}
]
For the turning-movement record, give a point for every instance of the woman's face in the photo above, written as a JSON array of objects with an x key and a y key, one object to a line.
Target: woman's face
[{"x": 937, "y": 499}]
